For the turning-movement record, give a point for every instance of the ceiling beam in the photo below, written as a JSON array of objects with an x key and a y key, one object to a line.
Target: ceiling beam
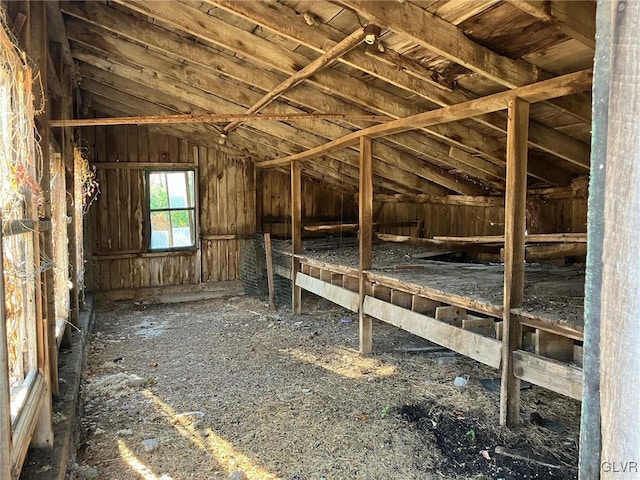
[
  {"x": 559, "y": 86},
  {"x": 210, "y": 118},
  {"x": 448, "y": 41},
  {"x": 157, "y": 90},
  {"x": 318, "y": 64},
  {"x": 206, "y": 60},
  {"x": 156, "y": 77},
  {"x": 284, "y": 21},
  {"x": 212, "y": 29}
]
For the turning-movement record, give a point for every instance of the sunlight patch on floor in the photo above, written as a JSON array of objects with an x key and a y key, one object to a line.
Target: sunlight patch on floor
[
  {"x": 343, "y": 361},
  {"x": 220, "y": 449},
  {"x": 136, "y": 465}
]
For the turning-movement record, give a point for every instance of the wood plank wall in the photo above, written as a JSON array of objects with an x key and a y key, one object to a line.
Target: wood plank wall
[
  {"x": 227, "y": 212},
  {"x": 116, "y": 218},
  {"x": 319, "y": 203}
]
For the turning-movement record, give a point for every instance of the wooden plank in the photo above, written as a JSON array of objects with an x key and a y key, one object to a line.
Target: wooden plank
[
  {"x": 437, "y": 295},
  {"x": 365, "y": 225},
  {"x": 296, "y": 232},
  {"x": 170, "y": 293},
  {"x": 589, "y": 461},
  {"x": 5, "y": 396},
  {"x": 477, "y": 322},
  {"x": 211, "y": 118},
  {"x": 536, "y": 253},
  {"x": 269, "y": 256},
  {"x": 338, "y": 295},
  {"x": 528, "y": 238},
  {"x": 555, "y": 87},
  {"x": 483, "y": 349},
  {"x": 138, "y": 165},
  {"x": 515, "y": 226},
  {"x": 381, "y": 292},
  {"x": 553, "y": 346},
  {"x": 620, "y": 296},
  {"x": 548, "y": 373},
  {"x": 424, "y": 305},
  {"x": 351, "y": 283},
  {"x": 451, "y": 315},
  {"x": 24, "y": 425},
  {"x": 401, "y": 299}
]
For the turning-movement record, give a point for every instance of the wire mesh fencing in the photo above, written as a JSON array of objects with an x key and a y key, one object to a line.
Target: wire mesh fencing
[{"x": 253, "y": 269}]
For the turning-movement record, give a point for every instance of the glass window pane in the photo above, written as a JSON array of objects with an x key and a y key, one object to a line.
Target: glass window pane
[
  {"x": 182, "y": 228},
  {"x": 158, "y": 197},
  {"x": 177, "y": 182},
  {"x": 160, "y": 230}
]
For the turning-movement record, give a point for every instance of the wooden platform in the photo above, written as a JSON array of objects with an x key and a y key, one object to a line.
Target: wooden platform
[{"x": 458, "y": 305}]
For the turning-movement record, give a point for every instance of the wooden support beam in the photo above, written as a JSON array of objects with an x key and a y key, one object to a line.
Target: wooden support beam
[
  {"x": 165, "y": 71},
  {"x": 515, "y": 225},
  {"x": 428, "y": 84},
  {"x": 480, "y": 348},
  {"x": 296, "y": 234},
  {"x": 533, "y": 238},
  {"x": 548, "y": 373},
  {"x": 471, "y": 201},
  {"x": 5, "y": 395},
  {"x": 589, "y": 461},
  {"x": 48, "y": 351},
  {"x": 553, "y": 88},
  {"x": 620, "y": 335},
  {"x": 211, "y": 118},
  {"x": 338, "y": 295},
  {"x": 365, "y": 218},
  {"x": 318, "y": 64},
  {"x": 439, "y": 36}
]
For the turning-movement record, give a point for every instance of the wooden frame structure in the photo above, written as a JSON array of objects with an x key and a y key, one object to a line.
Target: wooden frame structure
[
  {"x": 400, "y": 309},
  {"x": 412, "y": 119}
]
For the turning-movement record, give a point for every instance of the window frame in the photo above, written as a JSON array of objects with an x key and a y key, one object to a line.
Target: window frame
[{"x": 149, "y": 210}]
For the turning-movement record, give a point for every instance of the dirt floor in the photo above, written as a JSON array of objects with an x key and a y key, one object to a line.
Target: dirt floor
[{"x": 229, "y": 389}]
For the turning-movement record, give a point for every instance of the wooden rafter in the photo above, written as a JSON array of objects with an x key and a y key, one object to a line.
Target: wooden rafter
[
  {"x": 445, "y": 39},
  {"x": 211, "y": 29},
  {"x": 154, "y": 93},
  {"x": 556, "y": 87},
  {"x": 166, "y": 82},
  {"x": 271, "y": 14},
  {"x": 318, "y": 64},
  {"x": 210, "y": 118}
]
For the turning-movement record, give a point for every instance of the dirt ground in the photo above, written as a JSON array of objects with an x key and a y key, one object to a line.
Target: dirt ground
[{"x": 227, "y": 388}]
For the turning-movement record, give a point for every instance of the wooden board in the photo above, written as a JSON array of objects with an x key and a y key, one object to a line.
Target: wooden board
[
  {"x": 338, "y": 295},
  {"x": 551, "y": 374},
  {"x": 483, "y": 349}
]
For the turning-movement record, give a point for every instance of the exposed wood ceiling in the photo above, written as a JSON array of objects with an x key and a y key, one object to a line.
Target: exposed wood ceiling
[{"x": 142, "y": 58}]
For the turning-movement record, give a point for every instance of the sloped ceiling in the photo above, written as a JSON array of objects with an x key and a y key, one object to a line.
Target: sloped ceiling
[{"x": 141, "y": 58}]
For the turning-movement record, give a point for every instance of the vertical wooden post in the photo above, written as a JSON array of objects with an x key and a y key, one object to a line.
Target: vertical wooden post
[
  {"x": 296, "y": 233},
  {"x": 620, "y": 295},
  {"x": 590, "y": 435},
  {"x": 515, "y": 225},
  {"x": 43, "y": 434},
  {"x": 5, "y": 396},
  {"x": 365, "y": 205}
]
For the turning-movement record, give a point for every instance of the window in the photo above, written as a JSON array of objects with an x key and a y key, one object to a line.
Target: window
[{"x": 171, "y": 210}]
